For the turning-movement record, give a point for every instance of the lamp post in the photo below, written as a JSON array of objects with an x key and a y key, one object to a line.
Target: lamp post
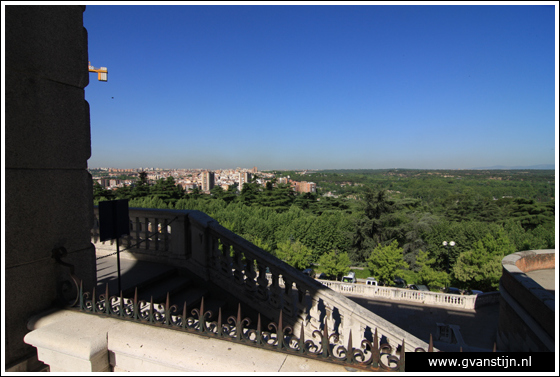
[{"x": 448, "y": 246}]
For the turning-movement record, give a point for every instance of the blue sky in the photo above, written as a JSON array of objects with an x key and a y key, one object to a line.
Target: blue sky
[{"x": 322, "y": 87}]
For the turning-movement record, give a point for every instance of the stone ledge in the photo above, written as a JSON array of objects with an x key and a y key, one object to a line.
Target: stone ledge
[{"x": 70, "y": 341}]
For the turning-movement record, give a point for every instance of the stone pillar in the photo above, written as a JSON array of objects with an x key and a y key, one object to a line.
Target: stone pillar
[{"x": 49, "y": 195}]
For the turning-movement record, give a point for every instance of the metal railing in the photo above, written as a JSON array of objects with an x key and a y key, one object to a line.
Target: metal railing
[{"x": 370, "y": 355}]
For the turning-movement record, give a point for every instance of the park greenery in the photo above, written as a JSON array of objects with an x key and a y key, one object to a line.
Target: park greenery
[{"x": 391, "y": 222}]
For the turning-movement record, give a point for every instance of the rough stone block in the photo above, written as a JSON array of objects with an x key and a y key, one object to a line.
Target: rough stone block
[
  {"x": 47, "y": 124},
  {"x": 47, "y": 209},
  {"x": 29, "y": 289},
  {"x": 40, "y": 45}
]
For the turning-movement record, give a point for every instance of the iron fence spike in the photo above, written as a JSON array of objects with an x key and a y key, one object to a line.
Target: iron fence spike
[
  {"x": 402, "y": 362},
  {"x": 121, "y": 305},
  {"x": 94, "y": 301},
  {"x": 201, "y": 320},
  {"x": 350, "y": 349},
  {"x": 220, "y": 331},
  {"x": 81, "y": 296},
  {"x": 259, "y": 333},
  {"x": 302, "y": 339},
  {"x": 107, "y": 300},
  {"x": 431, "y": 345},
  {"x": 238, "y": 325}
]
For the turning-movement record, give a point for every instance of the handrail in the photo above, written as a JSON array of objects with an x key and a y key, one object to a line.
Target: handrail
[{"x": 193, "y": 240}]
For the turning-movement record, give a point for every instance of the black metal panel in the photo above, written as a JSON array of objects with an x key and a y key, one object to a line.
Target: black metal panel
[{"x": 113, "y": 219}]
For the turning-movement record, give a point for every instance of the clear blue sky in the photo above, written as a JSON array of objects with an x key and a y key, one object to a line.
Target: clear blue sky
[{"x": 321, "y": 87}]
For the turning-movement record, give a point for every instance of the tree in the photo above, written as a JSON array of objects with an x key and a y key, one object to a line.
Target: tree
[
  {"x": 294, "y": 253},
  {"x": 419, "y": 224},
  {"x": 249, "y": 193},
  {"x": 101, "y": 194},
  {"x": 481, "y": 267},
  {"x": 195, "y": 193},
  {"x": 259, "y": 243},
  {"x": 384, "y": 261},
  {"x": 124, "y": 192},
  {"x": 167, "y": 190},
  {"x": 141, "y": 186},
  {"x": 334, "y": 263},
  {"x": 427, "y": 275},
  {"x": 280, "y": 198},
  {"x": 327, "y": 232},
  {"x": 375, "y": 226}
]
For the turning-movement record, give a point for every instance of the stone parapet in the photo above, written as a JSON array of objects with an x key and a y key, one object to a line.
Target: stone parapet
[{"x": 527, "y": 310}]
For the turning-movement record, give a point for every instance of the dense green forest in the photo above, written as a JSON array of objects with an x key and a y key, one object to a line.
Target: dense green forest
[{"x": 392, "y": 222}]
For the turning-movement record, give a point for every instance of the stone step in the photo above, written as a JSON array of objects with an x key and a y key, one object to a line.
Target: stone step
[
  {"x": 158, "y": 290},
  {"x": 191, "y": 297},
  {"x": 134, "y": 274}
]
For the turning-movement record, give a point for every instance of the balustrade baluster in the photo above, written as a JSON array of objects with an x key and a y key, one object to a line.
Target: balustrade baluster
[
  {"x": 156, "y": 233},
  {"x": 165, "y": 235},
  {"x": 147, "y": 234},
  {"x": 250, "y": 274},
  {"x": 262, "y": 281},
  {"x": 215, "y": 252},
  {"x": 128, "y": 236},
  {"x": 288, "y": 298},
  {"x": 227, "y": 262},
  {"x": 238, "y": 266},
  {"x": 301, "y": 304},
  {"x": 275, "y": 299},
  {"x": 137, "y": 230}
]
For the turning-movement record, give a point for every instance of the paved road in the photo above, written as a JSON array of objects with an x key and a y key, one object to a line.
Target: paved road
[{"x": 478, "y": 327}]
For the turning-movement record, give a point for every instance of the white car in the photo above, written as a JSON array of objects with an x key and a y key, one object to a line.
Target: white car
[{"x": 350, "y": 278}]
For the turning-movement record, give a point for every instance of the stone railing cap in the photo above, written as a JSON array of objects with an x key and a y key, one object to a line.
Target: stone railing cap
[{"x": 79, "y": 336}]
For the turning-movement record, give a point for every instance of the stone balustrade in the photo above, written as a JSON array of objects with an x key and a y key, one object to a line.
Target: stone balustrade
[
  {"x": 392, "y": 293},
  {"x": 195, "y": 241}
]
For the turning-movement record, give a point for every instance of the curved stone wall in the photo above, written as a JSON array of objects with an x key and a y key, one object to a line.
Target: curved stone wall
[{"x": 527, "y": 310}]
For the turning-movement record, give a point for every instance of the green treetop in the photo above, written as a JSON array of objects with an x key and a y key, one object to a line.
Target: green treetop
[{"x": 385, "y": 261}]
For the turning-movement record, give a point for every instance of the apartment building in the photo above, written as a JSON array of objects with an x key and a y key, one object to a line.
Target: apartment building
[
  {"x": 304, "y": 186},
  {"x": 207, "y": 180},
  {"x": 244, "y": 177}
]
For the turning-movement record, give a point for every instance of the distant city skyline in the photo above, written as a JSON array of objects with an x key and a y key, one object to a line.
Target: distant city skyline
[
  {"x": 499, "y": 167},
  {"x": 323, "y": 87}
]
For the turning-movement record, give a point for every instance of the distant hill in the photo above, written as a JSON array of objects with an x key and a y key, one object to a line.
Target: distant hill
[{"x": 536, "y": 167}]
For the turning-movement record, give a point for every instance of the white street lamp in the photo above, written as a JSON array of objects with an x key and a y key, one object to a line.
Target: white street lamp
[{"x": 448, "y": 245}]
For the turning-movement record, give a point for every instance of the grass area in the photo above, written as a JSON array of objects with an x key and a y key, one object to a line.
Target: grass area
[{"x": 361, "y": 274}]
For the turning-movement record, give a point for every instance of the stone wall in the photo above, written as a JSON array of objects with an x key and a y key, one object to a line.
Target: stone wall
[
  {"x": 49, "y": 200},
  {"x": 527, "y": 310}
]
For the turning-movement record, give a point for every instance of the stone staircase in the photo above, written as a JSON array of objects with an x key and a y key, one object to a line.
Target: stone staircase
[{"x": 154, "y": 281}]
